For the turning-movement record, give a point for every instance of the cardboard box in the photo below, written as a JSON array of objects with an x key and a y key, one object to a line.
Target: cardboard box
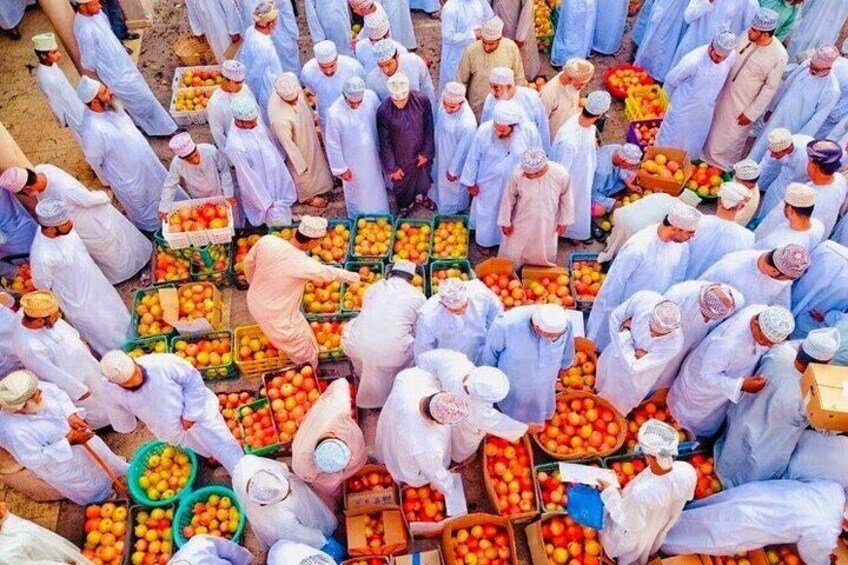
[
  {"x": 824, "y": 397},
  {"x": 432, "y": 557},
  {"x": 395, "y": 531},
  {"x": 495, "y": 266},
  {"x": 536, "y": 542},
  {"x": 490, "y": 485},
  {"x": 382, "y": 497},
  {"x": 434, "y": 529},
  {"x": 684, "y": 560},
  {"x": 466, "y": 522},
  {"x": 669, "y": 186}
]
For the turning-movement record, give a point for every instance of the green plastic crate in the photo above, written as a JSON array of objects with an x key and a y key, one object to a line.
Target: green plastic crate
[
  {"x": 132, "y": 518},
  {"x": 268, "y": 449},
  {"x": 139, "y": 463},
  {"x": 454, "y": 218},
  {"x": 331, "y": 224},
  {"x": 183, "y": 516},
  {"x": 146, "y": 344},
  {"x": 461, "y": 264},
  {"x": 354, "y": 266},
  {"x": 202, "y": 268},
  {"x": 141, "y": 293},
  {"x": 217, "y": 372},
  {"x": 414, "y": 223},
  {"x": 239, "y": 279},
  {"x": 353, "y": 256},
  {"x": 334, "y": 354}
]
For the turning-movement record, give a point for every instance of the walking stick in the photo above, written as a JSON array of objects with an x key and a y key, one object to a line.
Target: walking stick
[{"x": 119, "y": 485}]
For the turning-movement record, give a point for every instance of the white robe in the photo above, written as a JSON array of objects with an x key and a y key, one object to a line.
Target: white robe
[
  {"x": 220, "y": 116},
  {"x": 301, "y": 517},
  {"x": 212, "y": 177},
  {"x": 665, "y": 27},
  {"x": 266, "y": 189},
  {"x": 489, "y": 164},
  {"x": 693, "y": 86},
  {"x": 329, "y": 89},
  {"x": 38, "y": 442},
  {"x": 776, "y": 174},
  {"x": 66, "y": 106},
  {"x": 174, "y": 390},
  {"x": 209, "y": 550},
  {"x": 102, "y": 53},
  {"x": 821, "y": 23},
  {"x": 284, "y": 37},
  {"x": 819, "y": 456},
  {"x": 830, "y": 202},
  {"x": 713, "y": 374},
  {"x": 765, "y": 513},
  {"x": 454, "y": 136},
  {"x": 840, "y": 71},
  {"x": 715, "y": 238},
  {"x": 416, "y": 71},
  {"x": 706, "y": 18},
  {"x": 286, "y": 552},
  {"x": 644, "y": 263},
  {"x": 640, "y": 516},
  {"x": 400, "y": 21},
  {"x": 116, "y": 246},
  {"x": 575, "y": 31},
  {"x": 121, "y": 156},
  {"x": 693, "y": 325},
  {"x": 58, "y": 356},
  {"x": 783, "y": 235},
  {"x": 9, "y": 322},
  {"x": 263, "y": 64},
  {"x": 624, "y": 379},
  {"x": 90, "y": 303},
  {"x": 576, "y": 149},
  {"x": 16, "y": 226},
  {"x": 364, "y": 51},
  {"x": 379, "y": 342},
  {"x": 533, "y": 109},
  {"x": 217, "y": 20},
  {"x": 821, "y": 288},
  {"x": 460, "y": 20},
  {"x": 739, "y": 269},
  {"x": 22, "y": 541},
  {"x": 12, "y": 12},
  {"x": 329, "y": 20}
]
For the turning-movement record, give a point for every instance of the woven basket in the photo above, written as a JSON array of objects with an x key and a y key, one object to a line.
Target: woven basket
[{"x": 190, "y": 51}]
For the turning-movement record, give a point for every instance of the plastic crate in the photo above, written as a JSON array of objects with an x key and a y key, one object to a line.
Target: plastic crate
[
  {"x": 217, "y": 321},
  {"x": 424, "y": 258},
  {"x": 237, "y": 272},
  {"x": 551, "y": 468},
  {"x": 320, "y": 315},
  {"x": 340, "y": 320},
  {"x": 354, "y": 266},
  {"x": 137, "y": 298},
  {"x": 198, "y": 238},
  {"x": 331, "y": 225},
  {"x": 255, "y": 367},
  {"x": 582, "y": 303},
  {"x": 725, "y": 177},
  {"x": 213, "y": 372},
  {"x": 607, "y": 463},
  {"x": 462, "y": 264},
  {"x": 631, "y": 131},
  {"x": 203, "y": 270},
  {"x": 132, "y": 523},
  {"x": 147, "y": 345},
  {"x": 632, "y": 110},
  {"x": 262, "y": 451},
  {"x": 437, "y": 221},
  {"x": 371, "y": 217},
  {"x": 156, "y": 274},
  {"x": 284, "y": 444},
  {"x": 618, "y": 92},
  {"x": 189, "y": 117},
  {"x": 183, "y": 516},
  {"x": 138, "y": 464}
]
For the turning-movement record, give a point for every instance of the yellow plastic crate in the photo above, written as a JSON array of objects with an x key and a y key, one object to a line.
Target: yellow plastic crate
[
  {"x": 254, "y": 367},
  {"x": 632, "y": 110}
]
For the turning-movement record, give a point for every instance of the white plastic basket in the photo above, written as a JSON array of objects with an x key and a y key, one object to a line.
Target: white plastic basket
[
  {"x": 199, "y": 238},
  {"x": 188, "y": 117}
]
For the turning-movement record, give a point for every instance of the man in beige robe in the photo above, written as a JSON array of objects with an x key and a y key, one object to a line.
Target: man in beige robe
[
  {"x": 492, "y": 50},
  {"x": 561, "y": 95},
  {"x": 752, "y": 83},
  {"x": 277, "y": 271},
  {"x": 536, "y": 209},
  {"x": 519, "y": 25},
  {"x": 293, "y": 123}
]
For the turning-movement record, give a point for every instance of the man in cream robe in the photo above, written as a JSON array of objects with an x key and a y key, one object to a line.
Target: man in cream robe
[
  {"x": 561, "y": 94},
  {"x": 64, "y": 102}
]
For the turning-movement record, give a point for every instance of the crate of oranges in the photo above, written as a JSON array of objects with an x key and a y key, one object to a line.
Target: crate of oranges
[
  {"x": 258, "y": 432},
  {"x": 373, "y": 237},
  {"x": 254, "y": 353},
  {"x": 210, "y": 353},
  {"x": 291, "y": 393},
  {"x": 191, "y": 90}
]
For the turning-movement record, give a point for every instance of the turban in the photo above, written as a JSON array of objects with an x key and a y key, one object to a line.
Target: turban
[
  {"x": 404, "y": 266},
  {"x": 51, "y": 213},
  {"x": 684, "y": 216},
  {"x": 265, "y": 487},
  {"x": 776, "y": 323},
  {"x": 825, "y": 56},
  {"x": 791, "y": 260},
  {"x": 16, "y": 388},
  {"x": 14, "y": 179},
  {"x": 492, "y": 30},
  {"x": 265, "y": 12},
  {"x": 506, "y": 113},
  {"x": 354, "y": 89},
  {"x": 716, "y": 301},
  {"x": 233, "y": 70},
  {"x": 631, "y": 153},
  {"x": 325, "y": 52},
  {"x": 580, "y": 70},
  {"x": 376, "y": 25},
  {"x": 287, "y": 86},
  {"x": 449, "y": 408},
  {"x": 659, "y": 440},
  {"x": 244, "y": 108},
  {"x": 824, "y": 151},
  {"x": 533, "y": 160},
  {"x": 117, "y": 366},
  {"x": 732, "y": 194},
  {"x": 800, "y": 195},
  {"x": 453, "y": 294},
  {"x": 502, "y": 76},
  {"x": 39, "y": 304},
  {"x": 87, "y": 89},
  {"x": 765, "y": 20},
  {"x": 44, "y": 42},
  {"x": 779, "y": 139},
  {"x": 746, "y": 169},
  {"x": 550, "y": 318},
  {"x": 312, "y": 227},
  {"x": 665, "y": 317},
  {"x": 821, "y": 344},
  {"x": 331, "y": 455},
  {"x": 454, "y": 92},
  {"x": 724, "y": 43},
  {"x": 398, "y": 85},
  {"x": 182, "y": 144},
  {"x": 598, "y": 102},
  {"x": 487, "y": 384},
  {"x": 384, "y": 50}
]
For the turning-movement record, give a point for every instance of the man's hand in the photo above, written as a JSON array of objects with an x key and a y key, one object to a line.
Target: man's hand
[
  {"x": 450, "y": 177},
  {"x": 163, "y": 215},
  {"x": 817, "y": 315},
  {"x": 186, "y": 424},
  {"x": 639, "y": 353},
  {"x": 351, "y": 278},
  {"x": 422, "y": 160},
  {"x": 626, "y": 324},
  {"x": 603, "y": 485},
  {"x": 232, "y": 201},
  {"x": 561, "y": 229},
  {"x": 397, "y": 175},
  {"x": 79, "y": 437},
  {"x": 78, "y": 423},
  {"x": 743, "y": 120},
  {"x": 346, "y": 176},
  {"x": 754, "y": 384},
  {"x": 508, "y": 230},
  {"x": 474, "y": 190},
  {"x": 235, "y": 37}
]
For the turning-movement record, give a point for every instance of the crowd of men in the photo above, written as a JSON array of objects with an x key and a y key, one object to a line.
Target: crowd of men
[{"x": 722, "y": 313}]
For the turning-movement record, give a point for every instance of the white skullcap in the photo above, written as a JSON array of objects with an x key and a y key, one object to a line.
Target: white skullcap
[
  {"x": 454, "y": 92},
  {"x": 765, "y": 20},
  {"x": 665, "y": 317},
  {"x": 87, "y": 89},
  {"x": 325, "y": 52},
  {"x": 492, "y": 30},
  {"x": 502, "y": 76},
  {"x": 44, "y": 42},
  {"x": 659, "y": 440},
  {"x": 265, "y": 487},
  {"x": 117, "y": 366},
  {"x": 244, "y": 108},
  {"x": 16, "y": 388},
  {"x": 746, "y": 169},
  {"x": 825, "y": 56},
  {"x": 398, "y": 85},
  {"x": 779, "y": 139},
  {"x": 724, "y": 43},
  {"x": 732, "y": 194},
  {"x": 800, "y": 195},
  {"x": 776, "y": 323},
  {"x": 182, "y": 144},
  {"x": 506, "y": 113},
  {"x": 354, "y": 89},
  {"x": 7, "y": 299},
  {"x": 449, "y": 408},
  {"x": 684, "y": 216},
  {"x": 313, "y": 227},
  {"x": 487, "y": 384},
  {"x": 233, "y": 70},
  {"x": 598, "y": 102},
  {"x": 533, "y": 160},
  {"x": 632, "y": 154},
  {"x": 716, "y": 301},
  {"x": 287, "y": 86},
  {"x": 384, "y": 50},
  {"x": 331, "y": 455},
  {"x": 13, "y": 179},
  {"x": 822, "y": 344},
  {"x": 579, "y": 69},
  {"x": 376, "y": 25},
  {"x": 550, "y": 318},
  {"x": 404, "y": 266},
  {"x": 453, "y": 294},
  {"x": 51, "y": 212},
  {"x": 265, "y": 12}
]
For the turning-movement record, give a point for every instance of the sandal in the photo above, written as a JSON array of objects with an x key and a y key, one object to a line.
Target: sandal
[{"x": 425, "y": 202}]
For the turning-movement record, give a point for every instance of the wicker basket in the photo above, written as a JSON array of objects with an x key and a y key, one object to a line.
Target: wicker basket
[{"x": 192, "y": 52}]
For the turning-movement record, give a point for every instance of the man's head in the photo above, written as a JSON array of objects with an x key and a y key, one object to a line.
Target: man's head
[
  {"x": 746, "y": 172},
  {"x": 453, "y": 97},
  {"x": 822, "y": 62},
  {"x": 491, "y": 34},
  {"x": 446, "y": 408},
  {"x": 628, "y": 156},
  {"x": 597, "y": 105},
  {"x": 534, "y": 163},
  {"x": 487, "y": 384},
  {"x": 385, "y": 51},
  {"x": 310, "y": 231},
  {"x": 800, "y": 201},
  {"x": 46, "y": 48},
  {"x": 506, "y": 116},
  {"x": 398, "y": 85},
  {"x": 502, "y": 82},
  {"x": 353, "y": 91},
  {"x": 403, "y": 269},
  {"x": 681, "y": 223},
  {"x": 820, "y": 346},
  {"x": 288, "y": 88},
  {"x": 733, "y": 196},
  {"x": 785, "y": 263},
  {"x": 18, "y": 180},
  {"x": 234, "y": 73},
  {"x": 665, "y": 318},
  {"x": 327, "y": 57},
  {"x": 120, "y": 369},
  {"x": 658, "y": 441},
  {"x": 825, "y": 159},
  {"x": 331, "y": 455},
  {"x": 716, "y": 302},
  {"x": 763, "y": 27},
  {"x": 376, "y": 26},
  {"x": 94, "y": 94},
  {"x": 185, "y": 148},
  {"x": 550, "y": 322},
  {"x": 20, "y": 393},
  {"x": 245, "y": 112},
  {"x": 453, "y": 296},
  {"x": 88, "y": 7},
  {"x": 53, "y": 217},
  {"x": 780, "y": 143},
  {"x": 266, "y": 487},
  {"x": 265, "y": 16},
  {"x": 772, "y": 326},
  {"x": 362, "y": 8},
  {"x": 41, "y": 309},
  {"x": 577, "y": 72},
  {"x": 722, "y": 46}
]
